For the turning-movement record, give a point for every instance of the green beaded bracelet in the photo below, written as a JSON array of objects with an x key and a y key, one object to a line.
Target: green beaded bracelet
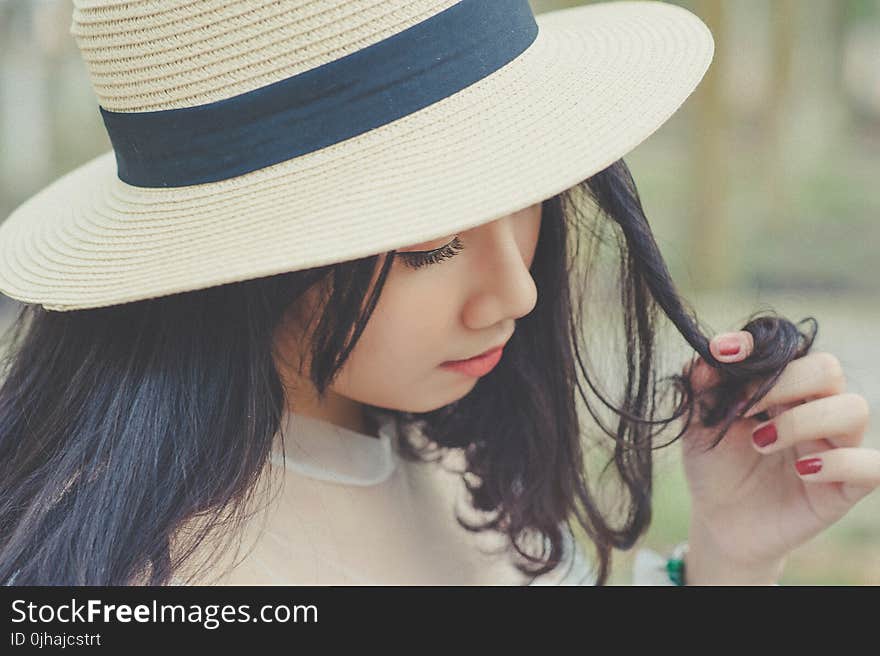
[{"x": 675, "y": 564}]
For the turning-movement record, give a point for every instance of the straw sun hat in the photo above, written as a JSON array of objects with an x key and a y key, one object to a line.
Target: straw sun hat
[{"x": 254, "y": 137}]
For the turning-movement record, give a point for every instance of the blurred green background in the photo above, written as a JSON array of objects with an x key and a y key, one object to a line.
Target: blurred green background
[{"x": 762, "y": 191}]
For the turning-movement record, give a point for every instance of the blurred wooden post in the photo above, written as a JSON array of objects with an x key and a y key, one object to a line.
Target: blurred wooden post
[
  {"x": 806, "y": 112},
  {"x": 783, "y": 15},
  {"x": 25, "y": 154},
  {"x": 709, "y": 247}
]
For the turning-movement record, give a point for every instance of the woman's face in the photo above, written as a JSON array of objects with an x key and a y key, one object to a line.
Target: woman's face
[{"x": 453, "y": 309}]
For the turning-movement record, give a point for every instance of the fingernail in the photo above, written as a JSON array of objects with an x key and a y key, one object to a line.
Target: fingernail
[
  {"x": 728, "y": 345},
  {"x": 808, "y": 465},
  {"x": 765, "y": 435}
]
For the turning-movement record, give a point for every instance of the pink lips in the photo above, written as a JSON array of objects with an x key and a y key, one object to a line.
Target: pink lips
[{"x": 477, "y": 366}]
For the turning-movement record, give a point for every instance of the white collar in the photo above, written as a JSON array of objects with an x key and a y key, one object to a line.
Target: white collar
[{"x": 322, "y": 450}]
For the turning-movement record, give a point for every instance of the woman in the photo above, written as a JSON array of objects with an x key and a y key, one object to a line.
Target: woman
[{"x": 312, "y": 213}]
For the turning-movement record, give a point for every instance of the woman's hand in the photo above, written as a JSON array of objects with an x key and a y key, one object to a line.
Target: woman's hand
[{"x": 753, "y": 498}]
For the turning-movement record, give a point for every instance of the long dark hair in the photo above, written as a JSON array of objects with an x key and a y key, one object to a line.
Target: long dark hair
[{"x": 119, "y": 425}]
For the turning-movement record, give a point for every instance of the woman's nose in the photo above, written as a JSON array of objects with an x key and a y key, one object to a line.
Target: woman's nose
[{"x": 504, "y": 287}]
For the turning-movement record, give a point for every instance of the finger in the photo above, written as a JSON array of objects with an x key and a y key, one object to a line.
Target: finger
[
  {"x": 702, "y": 375},
  {"x": 815, "y": 375},
  {"x": 855, "y": 467},
  {"x": 841, "y": 419},
  {"x": 732, "y": 347}
]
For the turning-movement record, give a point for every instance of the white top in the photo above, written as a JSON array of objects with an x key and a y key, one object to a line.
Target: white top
[{"x": 353, "y": 512}]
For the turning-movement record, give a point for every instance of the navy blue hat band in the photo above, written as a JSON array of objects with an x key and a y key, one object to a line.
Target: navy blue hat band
[{"x": 325, "y": 105}]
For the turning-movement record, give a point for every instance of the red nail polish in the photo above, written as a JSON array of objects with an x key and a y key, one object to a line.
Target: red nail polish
[
  {"x": 808, "y": 465},
  {"x": 728, "y": 348},
  {"x": 765, "y": 435}
]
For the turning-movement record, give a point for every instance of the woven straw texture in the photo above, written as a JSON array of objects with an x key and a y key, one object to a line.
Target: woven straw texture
[{"x": 597, "y": 81}]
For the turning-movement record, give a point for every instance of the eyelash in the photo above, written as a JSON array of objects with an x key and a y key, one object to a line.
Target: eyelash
[{"x": 418, "y": 259}]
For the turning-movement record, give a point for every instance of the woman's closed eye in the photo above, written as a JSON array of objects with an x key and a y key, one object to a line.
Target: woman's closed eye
[{"x": 418, "y": 259}]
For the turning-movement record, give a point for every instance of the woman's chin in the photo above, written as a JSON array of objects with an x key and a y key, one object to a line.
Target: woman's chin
[{"x": 441, "y": 399}]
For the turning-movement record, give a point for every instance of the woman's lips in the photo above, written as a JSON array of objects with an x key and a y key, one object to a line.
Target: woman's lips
[{"x": 477, "y": 366}]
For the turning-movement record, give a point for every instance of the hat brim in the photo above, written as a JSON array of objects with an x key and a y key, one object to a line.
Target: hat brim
[{"x": 597, "y": 81}]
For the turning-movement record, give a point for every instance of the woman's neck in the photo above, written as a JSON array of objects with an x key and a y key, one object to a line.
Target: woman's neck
[{"x": 334, "y": 409}]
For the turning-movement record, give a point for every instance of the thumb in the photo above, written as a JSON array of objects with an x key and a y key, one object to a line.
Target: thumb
[
  {"x": 725, "y": 347},
  {"x": 701, "y": 375},
  {"x": 732, "y": 347}
]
